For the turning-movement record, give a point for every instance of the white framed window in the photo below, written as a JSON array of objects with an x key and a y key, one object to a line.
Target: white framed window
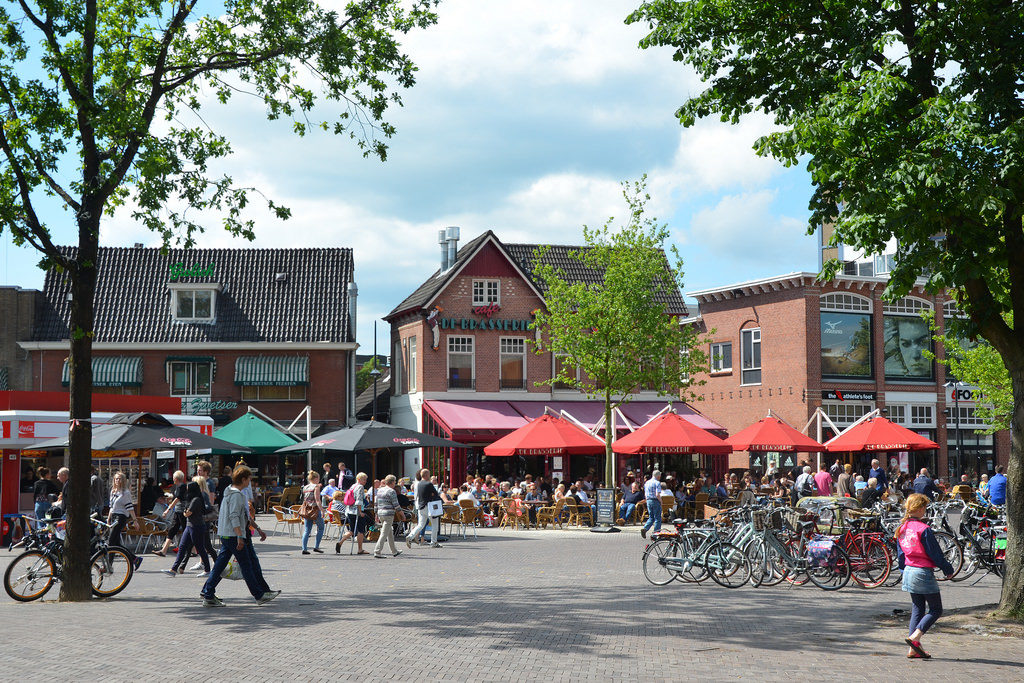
[
  {"x": 840, "y": 301},
  {"x": 295, "y": 392},
  {"x": 512, "y": 363},
  {"x": 461, "y": 363},
  {"x": 721, "y": 357},
  {"x": 750, "y": 345},
  {"x": 922, "y": 416},
  {"x": 190, "y": 378},
  {"x": 193, "y": 305},
  {"x": 897, "y": 412},
  {"x": 558, "y": 363},
  {"x": 846, "y": 413},
  {"x": 967, "y": 418},
  {"x": 398, "y": 360},
  {"x": 412, "y": 364},
  {"x": 951, "y": 310},
  {"x": 486, "y": 292},
  {"x": 884, "y": 263},
  {"x": 908, "y": 305}
]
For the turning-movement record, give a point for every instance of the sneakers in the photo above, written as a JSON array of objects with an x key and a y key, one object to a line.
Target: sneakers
[
  {"x": 408, "y": 542},
  {"x": 397, "y": 553},
  {"x": 267, "y": 597},
  {"x": 198, "y": 566},
  {"x": 305, "y": 552},
  {"x": 378, "y": 557},
  {"x": 643, "y": 532},
  {"x": 436, "y": 545},
  {"x": 213, "y": 602},
  {"x": 170, "y": 572},
  {"x": 203, "y": 575},
  {"x": 317, "y": 550}
]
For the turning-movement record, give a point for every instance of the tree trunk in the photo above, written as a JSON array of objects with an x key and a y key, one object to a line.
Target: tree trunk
[
  {"x": 609, "y": 436},
  {"x": 1011, "y": 602},
  {"x": 76, "y": 585}
]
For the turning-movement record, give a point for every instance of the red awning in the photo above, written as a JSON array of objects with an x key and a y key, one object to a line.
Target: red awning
[
  {"x": 879, "y": 434},
  {"x": 772, "y": 434},
  {"x": 547, "y": 435},
  {"x": 591, "y": 412},
  {"x": 476, "y": 420},
  {"x": 671, "y": 433}
]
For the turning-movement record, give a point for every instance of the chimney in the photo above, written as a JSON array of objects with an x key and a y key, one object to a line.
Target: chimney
[
  {"x": 444, "y": 249},
  {"x": 353, "y": 296},
  {"x": 452, "y": 237}
]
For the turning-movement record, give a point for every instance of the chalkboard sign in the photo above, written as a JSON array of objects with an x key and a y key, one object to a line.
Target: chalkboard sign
[{"x": 605, "y": 506}]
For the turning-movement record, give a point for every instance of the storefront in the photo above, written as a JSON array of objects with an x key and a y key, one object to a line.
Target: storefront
[{"x": 464, "y": 366}]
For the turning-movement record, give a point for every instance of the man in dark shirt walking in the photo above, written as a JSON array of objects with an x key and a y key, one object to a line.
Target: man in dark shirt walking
[
  {"x": 878, "y": 472},
  {"x": 924, "y": 484}
]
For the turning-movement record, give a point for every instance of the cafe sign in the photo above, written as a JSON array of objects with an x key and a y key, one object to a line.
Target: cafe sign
[
  {"x": 204, "y": 406},
  {"x": 488, "y": 324},
  {"x": 179, "y": 271}
]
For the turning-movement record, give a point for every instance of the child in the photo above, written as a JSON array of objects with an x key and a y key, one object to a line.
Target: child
[{"x": 919, "y": 555}]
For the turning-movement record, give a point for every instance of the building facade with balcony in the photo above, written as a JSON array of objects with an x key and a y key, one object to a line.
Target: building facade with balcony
[
  {"x": 221, "y": 329},
  {"x": 792, "y": 344},
  {"x": 464, "y": 367}
]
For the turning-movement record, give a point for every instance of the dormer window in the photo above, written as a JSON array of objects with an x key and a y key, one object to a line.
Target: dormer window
[
  {"x": 486, "y": 292},
  {"x": 193, "y": 302}
]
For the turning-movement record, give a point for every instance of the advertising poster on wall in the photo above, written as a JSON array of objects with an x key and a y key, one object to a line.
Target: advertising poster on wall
[
  {"x": 845, "y": 345},
  {"x": 906, "y": 340}
]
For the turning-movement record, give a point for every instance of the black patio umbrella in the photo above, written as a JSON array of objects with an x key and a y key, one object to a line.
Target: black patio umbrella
[
  {"x": 371, "y": 436},
  {"x": 142, "y": 431}
]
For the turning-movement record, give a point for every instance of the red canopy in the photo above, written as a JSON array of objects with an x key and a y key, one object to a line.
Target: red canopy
[
  {"x": 547, "y": 435},
  {"x": 772, "y": 434},
  {"x": 879, "y": 434},
  {"x": 671, "y": 433}
]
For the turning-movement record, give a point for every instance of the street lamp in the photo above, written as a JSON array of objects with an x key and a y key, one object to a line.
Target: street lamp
[{"x": 955, "y": 385}]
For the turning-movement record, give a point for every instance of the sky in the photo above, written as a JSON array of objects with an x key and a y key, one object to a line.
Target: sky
[{"x": 525, "y": 119}]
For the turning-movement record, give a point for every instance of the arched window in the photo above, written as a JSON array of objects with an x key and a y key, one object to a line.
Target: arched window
[
  {"x": 837, "y": 301},
  {"x": 908, "y": 305},
  {"x": 951, "y": 310}
]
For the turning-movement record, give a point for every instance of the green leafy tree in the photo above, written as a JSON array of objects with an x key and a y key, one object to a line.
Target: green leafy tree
[
  {"x": 363, "y": 377},
  {"x": 101, "y": 104},
  {"x": 615, "y": 327},
  {"x": 909, "y": 117},
  {"x": 979, "y": 364}
]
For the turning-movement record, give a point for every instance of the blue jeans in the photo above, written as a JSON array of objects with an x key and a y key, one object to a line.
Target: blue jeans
[
  {"x": 192, "y": 537},
  {"x": 625, "y": 510},
  {"x": 42, "y": 507},
  {"x": 918, "y": 618},
  {"x": 653, "y": 514},
  {"x": 244, "y": 559},
  {"x": 319, "y": 521}
]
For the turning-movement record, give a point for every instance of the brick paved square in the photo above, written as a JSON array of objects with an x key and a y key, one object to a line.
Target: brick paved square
[{"x": 528, "y": 605}]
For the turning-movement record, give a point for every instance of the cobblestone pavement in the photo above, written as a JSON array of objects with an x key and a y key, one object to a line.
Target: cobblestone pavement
[{"x": 526, "y": 605}]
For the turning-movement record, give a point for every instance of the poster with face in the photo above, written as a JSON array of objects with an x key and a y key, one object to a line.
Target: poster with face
[
  {"x": 845, "y": 345},
  {"x": 906, "y": 339}
]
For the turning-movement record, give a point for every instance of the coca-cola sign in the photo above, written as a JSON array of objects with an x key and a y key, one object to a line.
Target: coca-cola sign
[{"x": 407, "y": 440}]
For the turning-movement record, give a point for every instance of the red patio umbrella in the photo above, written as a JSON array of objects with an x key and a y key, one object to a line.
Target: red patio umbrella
[
  {"x": 671, "y": 433},
  {"x": 772, "y": 434},
  {"x": 547, "y": 435},
  {"x": 879, "y": 434}
]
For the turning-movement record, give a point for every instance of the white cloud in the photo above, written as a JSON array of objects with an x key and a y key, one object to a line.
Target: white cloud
[{"x": 745, "y": 227}]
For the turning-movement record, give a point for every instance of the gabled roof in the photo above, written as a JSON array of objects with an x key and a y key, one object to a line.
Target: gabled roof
[
  {"x": 521, "y": 256},
  {"x": 133, "y": 300}
]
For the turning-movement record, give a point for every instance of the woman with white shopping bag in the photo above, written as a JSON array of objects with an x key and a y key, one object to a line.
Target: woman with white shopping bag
[{"x": 429, "y": 509}]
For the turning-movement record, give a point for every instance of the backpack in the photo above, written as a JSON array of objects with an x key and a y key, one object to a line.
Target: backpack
[
  {"x": 350, "y": 496},
  {"x": 807, "y": 488}
]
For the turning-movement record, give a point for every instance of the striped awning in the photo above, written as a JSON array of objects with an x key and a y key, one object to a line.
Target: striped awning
[
  {"x": 111, "y": 371},
  {"x": 271, "y": 371}
]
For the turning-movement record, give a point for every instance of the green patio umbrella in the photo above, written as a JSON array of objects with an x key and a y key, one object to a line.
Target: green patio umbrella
[{"x": 259, "y": 436}]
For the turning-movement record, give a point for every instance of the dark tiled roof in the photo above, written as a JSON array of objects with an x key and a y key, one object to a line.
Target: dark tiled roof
[
  {"x": 522, "y": 255},
  {"x": 133, "y": 302},
  {"x": 364, "y": 401}
]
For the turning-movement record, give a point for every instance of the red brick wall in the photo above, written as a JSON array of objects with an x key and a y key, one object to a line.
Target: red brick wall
[{"x": 325, "y": 394}]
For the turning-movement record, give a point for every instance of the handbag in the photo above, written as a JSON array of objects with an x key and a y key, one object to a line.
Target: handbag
[
  {"x": 309, "y": 510},
  {"x": 435, "y": 508}
]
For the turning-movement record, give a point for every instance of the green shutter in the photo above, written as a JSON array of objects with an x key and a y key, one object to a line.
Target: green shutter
[
  {"x": 111, "y": 371},
  {"x": 271, "y": 371}
]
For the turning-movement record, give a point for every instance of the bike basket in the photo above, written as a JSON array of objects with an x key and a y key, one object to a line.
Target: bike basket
[
  {"x": 795, "y": 517},
  {"x": 819, "y": 553},
  {"x": 759, "y": 519}
]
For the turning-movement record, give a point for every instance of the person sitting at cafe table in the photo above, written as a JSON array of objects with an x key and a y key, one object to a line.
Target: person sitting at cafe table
[
  {"x": 559, "y": 493},
  {"x": 465, "y": 494},
  {"x": 327, "y": 493},
  {"x": 534, "y": 499},
  {"x": 871, "y": 493},
  {"x": 723, "y": 490},
  {"x": 581, "y": 494},
  {"x": 629, "y": 503},
  {"x": 478, "y": 489}
]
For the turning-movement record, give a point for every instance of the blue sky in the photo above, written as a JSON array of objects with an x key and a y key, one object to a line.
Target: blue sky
[{"x": 526, "y": 117}]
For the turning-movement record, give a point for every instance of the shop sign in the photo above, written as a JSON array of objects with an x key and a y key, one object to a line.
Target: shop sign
[
  {"x": 489, "y": 324},
  {"x": 488, "y": 310},
  {"x": 178, "y": 271},
  {"x": 964, "y": 394},
  {"x": 842, "y": 395},
  {"x": 26, "y": 430},
  {"x": 605, "y": 506},
  {"x": 201, "y": 406}
]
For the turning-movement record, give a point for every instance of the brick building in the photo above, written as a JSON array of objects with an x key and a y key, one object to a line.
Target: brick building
[
  {"x": 221, "y": 329},
  {"x": 791, "y": 344},
  {"x": 17, "y": 311},
  {"x": 463, "y": 367}
]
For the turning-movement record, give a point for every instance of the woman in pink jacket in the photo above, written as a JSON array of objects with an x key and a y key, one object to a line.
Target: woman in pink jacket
[{"x": 919, "y": 555}]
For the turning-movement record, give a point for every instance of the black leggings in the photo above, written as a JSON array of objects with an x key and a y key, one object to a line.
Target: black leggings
[{"x": 116, "y": 527}]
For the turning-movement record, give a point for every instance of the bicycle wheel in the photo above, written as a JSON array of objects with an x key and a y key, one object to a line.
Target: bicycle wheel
[
  {"x": 727, "y": 564},
  {"x": 29, "y": 576},
  {"x": 656, "y": 570},
  {"x": 870, "y": 561},
  {"x": 111, "y": 570},
  {"x": 796, "y": 576},
  {"x": 951, "y": 550},
  {"x": 832, "y": 574}
]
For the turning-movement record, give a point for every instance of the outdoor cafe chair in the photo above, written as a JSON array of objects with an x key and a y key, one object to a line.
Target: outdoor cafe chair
[
  {"x": 551, "y": 514},
  {"x": 285, "y": 518},
  {"x": 143, "y": 534},
  {"x": 468, "y": 517},
  {"x": 584, "y": 515},
  {"x": 668, "y": 507},
  {"x": 452, "y": 516}
]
